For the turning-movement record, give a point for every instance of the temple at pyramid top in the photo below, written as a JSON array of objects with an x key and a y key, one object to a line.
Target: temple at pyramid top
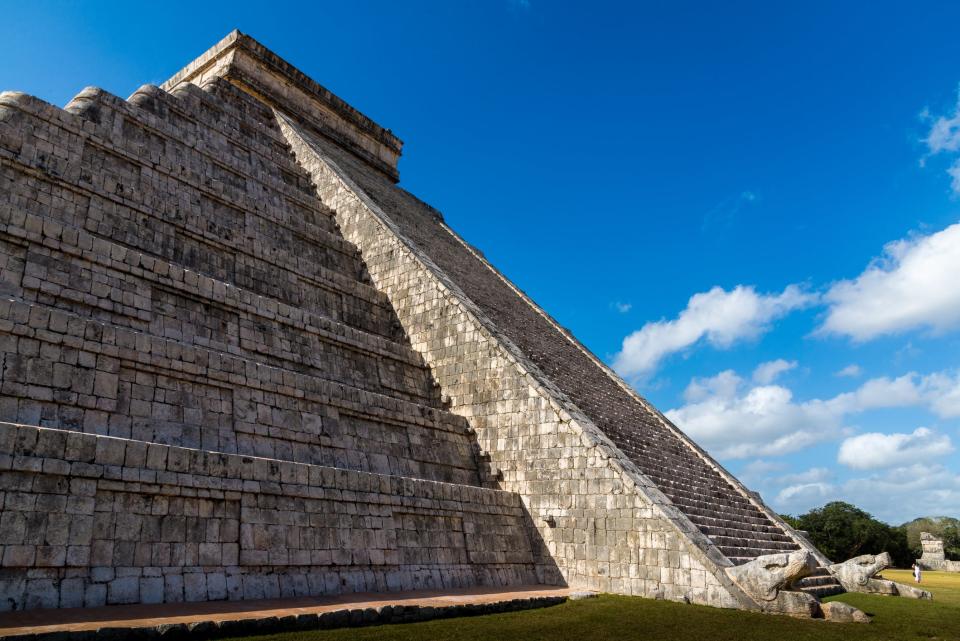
[{"x": 246, "y": 63}]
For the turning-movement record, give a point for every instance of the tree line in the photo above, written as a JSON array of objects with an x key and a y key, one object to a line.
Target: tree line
[{"x": 842, "y": 531}]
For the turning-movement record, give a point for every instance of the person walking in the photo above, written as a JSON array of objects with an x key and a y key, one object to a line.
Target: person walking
[{"x": 916, "y": 572}]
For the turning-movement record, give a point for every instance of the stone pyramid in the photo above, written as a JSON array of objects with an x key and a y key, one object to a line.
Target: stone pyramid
[{"x": 238, "y": 361}]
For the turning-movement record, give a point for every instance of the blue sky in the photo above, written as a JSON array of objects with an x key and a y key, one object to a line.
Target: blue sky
[{"x": 747, "y": 208}]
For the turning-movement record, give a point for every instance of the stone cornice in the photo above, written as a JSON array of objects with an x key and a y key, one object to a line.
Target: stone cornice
[{"x": 249, "y": 65}]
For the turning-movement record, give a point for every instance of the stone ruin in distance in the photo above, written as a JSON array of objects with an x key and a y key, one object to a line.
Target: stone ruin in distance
[{"x": 239, "y": 362}]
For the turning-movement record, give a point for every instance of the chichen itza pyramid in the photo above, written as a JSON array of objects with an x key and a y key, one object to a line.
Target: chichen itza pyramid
[{"x": 238, "y": 361}]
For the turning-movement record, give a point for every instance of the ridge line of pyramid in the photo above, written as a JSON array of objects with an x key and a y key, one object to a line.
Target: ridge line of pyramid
[
  {"x": 248, "y": 63},
  {"x": 697, "y": 450}
]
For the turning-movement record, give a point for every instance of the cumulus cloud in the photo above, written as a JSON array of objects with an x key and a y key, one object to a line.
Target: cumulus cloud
[
  {"x": 850, "y": 371},
  {"x": 879, "y": 393},
  {"x": 760, "y": 468},
  {"x": 623, "y": 308},
  {"x": 768, "y": 372},
  {"x": 734, "y": 419},
  {"x": 764, "y": 420},
  {"x": 805, "y": 494},
  {"x": 717, "y": 317},
  {"x": 875, "y": 450},
  {"x": 894, "y": 495},
  {"x": 812, "y": 475},
  {"x": 938, "y": 392},
  {"x": 899, "y": 494},
  {"x": 913, "y": 285},
  {"x": 942, "y": 391}
]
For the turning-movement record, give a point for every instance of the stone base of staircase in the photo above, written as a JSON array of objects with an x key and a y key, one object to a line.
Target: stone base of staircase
[
  {"x": 819, "y": 584},
  {"x": 210, "y": 620}
]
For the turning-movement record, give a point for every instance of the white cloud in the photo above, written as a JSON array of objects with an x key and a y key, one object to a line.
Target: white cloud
[
  {"x": 719, "y": 317},
  {"x": 938, "y": 392},
  {"x": 913, "y": 285},
  {"x": 875, "y": 450},
  {"x": 735, "y": 420},
  {"x": 954, "y": 172},
  {"x": 768, "y": 372},
  {"x": 879, "y": 393},
  {"x": 805, "y": 494},
  {"x": 942, "y": 391},
  {"x": 755, "y": 470},
  {"x": 944, "y": 138},
  {"x": 903, "y": 493},
  {"x": 944, "y": 135},
  {"x": 850, "y": 371},
  {"x": 623, "y": 308},
  {"x": 762, "y": 421},
  {"x": 723, "y": 385},
  {"x": 894, "y": 495},
  {"x": 813, "y": 475}
]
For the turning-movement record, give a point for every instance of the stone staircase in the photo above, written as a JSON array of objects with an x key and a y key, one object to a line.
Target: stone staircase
[{"x": 820, "y": 584}]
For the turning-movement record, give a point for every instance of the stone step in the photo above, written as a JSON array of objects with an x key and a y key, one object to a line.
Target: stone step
[
  {"x": 737, "y": 504},
  {"x": 350, "y": 302},
  {"x": 271, "y": 616},
  {"x": 732, "y": 542},
  {"x": 255, "y": 186},
  {"x": 124, "y": 288},
  {"x": 124, "y": 521},
  {"x": 820, "y": 583},
  {"x": 185, "y": 234},
  {"x": 823, "y": 591},
  {"x": 715, "y": 524},
  {"x": 70, "y": 372},
  {"x": 174, "y": 115}
]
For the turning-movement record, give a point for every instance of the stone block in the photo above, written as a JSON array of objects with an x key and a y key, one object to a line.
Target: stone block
[
  {"x": 19, "y": 555},
  {"x": 151, "y": 589}
]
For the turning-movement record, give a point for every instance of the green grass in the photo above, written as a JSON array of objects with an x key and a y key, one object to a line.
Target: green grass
[{"x": 627, "y": 618}]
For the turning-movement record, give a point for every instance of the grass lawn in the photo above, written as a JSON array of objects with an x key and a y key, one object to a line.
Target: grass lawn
[{"x": 626, "y": 618}]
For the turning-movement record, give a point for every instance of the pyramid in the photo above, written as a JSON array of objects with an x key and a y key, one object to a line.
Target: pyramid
[{"x": 240, "y": 362}]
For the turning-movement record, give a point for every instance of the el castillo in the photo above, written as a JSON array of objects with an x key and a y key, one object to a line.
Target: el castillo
[{"x": 239, "y": 364}]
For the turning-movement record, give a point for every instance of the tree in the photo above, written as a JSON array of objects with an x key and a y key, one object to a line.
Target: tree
[{"x": 842, "y": 531}]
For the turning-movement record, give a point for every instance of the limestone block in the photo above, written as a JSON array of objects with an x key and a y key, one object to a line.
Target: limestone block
[
  {"x": 857, "y": 575},
  {"x": 766, "y": 576},
  {"x": 151, "y": 589},
  {"x": 72, "y": 593},
  {"x": 840, "y": 612},
  {"x": 95, "y": 595}
]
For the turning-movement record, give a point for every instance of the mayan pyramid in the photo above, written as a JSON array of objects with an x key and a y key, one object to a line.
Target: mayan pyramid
[{"x": 238, "y": 362}]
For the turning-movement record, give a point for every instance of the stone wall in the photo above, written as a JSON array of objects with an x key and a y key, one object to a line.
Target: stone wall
[
  {"x": 100, "y": 520},
  {"x": 934, "y": 557}
]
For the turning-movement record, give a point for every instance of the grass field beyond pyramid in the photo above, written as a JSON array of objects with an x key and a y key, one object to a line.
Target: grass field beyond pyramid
[{"x": 628, "y": 618}]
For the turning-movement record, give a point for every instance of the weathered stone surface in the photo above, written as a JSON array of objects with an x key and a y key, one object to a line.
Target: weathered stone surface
[
  {"x": 765, "y": 577},
  {"x": 840, "y": 612},
  {"x": 934, "y": 557},
  {"x": 857, "y": 575}
]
